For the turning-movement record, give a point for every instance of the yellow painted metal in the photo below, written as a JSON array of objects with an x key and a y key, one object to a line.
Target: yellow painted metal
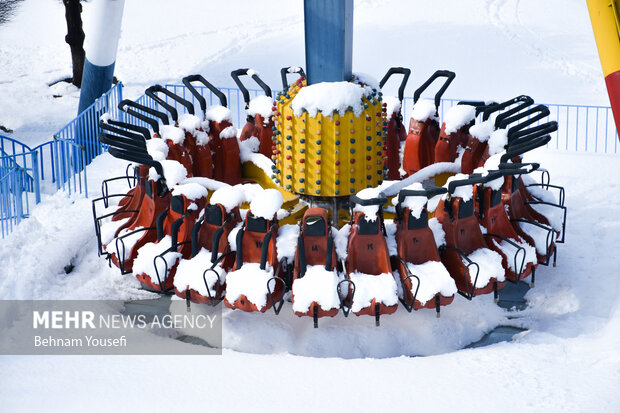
[
  {"x": 254, "y": 173},
  {"x": 606, "y": 26},
  {"x": 328, "y": 155}
]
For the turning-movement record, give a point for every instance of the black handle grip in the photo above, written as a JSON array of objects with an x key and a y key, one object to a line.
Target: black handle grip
[
  {"x": 285, "y": 71},
  {"x": 540, "y": 111},
  {"x": 122, "y": 142},
  {"x": 406, "y": 72},
  {"x": 150, "y": 92},
  {"x": 127, "y": 105},
  {"x": 480, "y": 105},
  {"x": 185, "y": 103},
  {"x": 472, "y": 180},
  {"x": 355, "y": 200},
  {"x": 503, "y": 105},
  {"x": 141, "y": 158},
  {"x": 201, "y": 100},
  {"x": 524, "y": 135},
  {"x": 440, "y": 73},
  {"x": 524, "y": 104},
  {"x": 135, "y": 128},
  {"x": 124, "y": 134},
  {"x": 521, "y": 149},
  {"x": 518, "y": 168},
  {"x": 428, "y": 191},
  {"x": 246, "y": 94}
]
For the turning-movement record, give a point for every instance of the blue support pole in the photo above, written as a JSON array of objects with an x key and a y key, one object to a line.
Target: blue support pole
[
  {"x": 101, "y": 45},
  {"x": 329, "y": 40}
]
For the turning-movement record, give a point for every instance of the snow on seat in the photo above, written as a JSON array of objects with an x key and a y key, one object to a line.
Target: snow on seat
[
  {"x": 466, "y": 254},
  {"x": 256, "y": 256},
  {"x": 199, "y": 273},
  {"x": 108, "y": 230},
  {"x": 489, "y": 267},
  {"x": 434, "y": 279},
  {"x": 416, "y": 246},
  {"x": 373, "y": 289},
  {"x": 541, "y": 235},
  {"x": 510, "y": 250},
  {"x": 193, "y": 275},
  {"x": 131, "y": 238},
  {"x": 315, "y": 280},
  {"x": 368, "y": 258},
  {"x": 319, "y": 286},
  {"x": 158, "y": 269},
  {"x": 249, "y": 283}
]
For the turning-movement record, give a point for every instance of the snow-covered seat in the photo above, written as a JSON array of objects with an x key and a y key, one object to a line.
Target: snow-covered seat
[
  {"x": 454, "y": 133},
  {"x": 426, "y": 282},
  {"x": 202, "y": 277},
  {"x": 368, "y": 260},
  {"x": 424, "y": 127},
  {"x": 518, "y": 257},
  {"x": 156, "y": 263},
  {"x": 259, "y": 109},
  {"x": 396, "y": 132},
  {"x": 247, "y": 286},
  {"x": 315, "y": 279},
  {"x": 475, "y": 268}
]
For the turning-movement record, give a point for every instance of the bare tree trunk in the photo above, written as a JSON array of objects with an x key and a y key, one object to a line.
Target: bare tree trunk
[{"x": 75, "y": 38}]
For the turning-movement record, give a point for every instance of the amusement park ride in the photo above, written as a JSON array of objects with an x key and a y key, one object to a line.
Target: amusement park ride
[{"x": 325, "y": 198}]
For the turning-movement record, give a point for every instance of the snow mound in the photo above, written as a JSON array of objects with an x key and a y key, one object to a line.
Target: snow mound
[
  {"x": 218, "y": 113},
  {"x": 268, "y": 204},
  {"x": 483, "y": 130},
  {"x": 191, "y": 191},
  {"x": 228, "y": 132},
  {"x": 465, "y": 192},
  {"x": 232, "y": 236},
  {"x": 190, "y": 274},
  {"x": 341, "y": 240},
  {"x": 144, "y": 264},
  {"x": 208, "y": 183},
  {"x": 174, "y": 172},
  {"x": 261, "y": 105},
  {"x": 392, "y": 105},
  {"x": 172, "y": 134},
  {"x": 196, "y": 127},
  {"x": 109, "y": 228},
  {"x": 228, "y": 196},
  {"x": 369, "y": 210},
  {"x": 438, "y": 232},
  {"x": 434, "y": 278},
  {"x": 510, "y": 250},
  {"x": 330, "y": 97},
  {"x": 458, "y": 116},
  {"x": 538, "y": 234},
  {"x": 498, "y": 141},
  {"x": 128, "y": 241},
  {"x": 318, "y": 285},
  {"x": 380, "y": 287},
  {"x": 248, "y": 153},
  {"x": 423, "y": 110},
  {"x": 286, "y": 243},
  {"x": 250, "y": 281},
  {"x": 390, "y": 230},
  {"x": 489, "y": 264},
  {"x": 157, "y": 148},
  {"x": 414, "y": 203}
]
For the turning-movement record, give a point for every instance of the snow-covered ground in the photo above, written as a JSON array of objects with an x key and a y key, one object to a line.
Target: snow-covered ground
[{"x": 568, "y": 360}]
